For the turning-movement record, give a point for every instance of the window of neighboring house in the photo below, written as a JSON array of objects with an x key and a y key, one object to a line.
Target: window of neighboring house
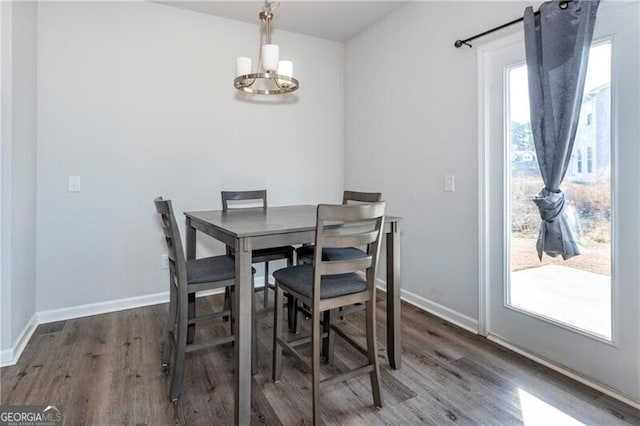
[
  {"x": 579, "y": 161},
  {"x": 589, "y": 119},
  {"x": 589, "y": 159}
]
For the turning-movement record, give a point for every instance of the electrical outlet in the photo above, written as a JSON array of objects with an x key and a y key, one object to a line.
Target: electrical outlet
[
  {"x": 449, "y": 183},
  {"x": 164, "y": 261},
  {"x": 73, "y": 184}
]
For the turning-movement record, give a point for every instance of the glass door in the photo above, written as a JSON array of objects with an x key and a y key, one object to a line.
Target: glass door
[{"x": 581, "y": 315}]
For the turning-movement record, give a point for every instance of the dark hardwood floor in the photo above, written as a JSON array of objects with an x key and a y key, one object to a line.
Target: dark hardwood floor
[{"x": 105, "y": 369}]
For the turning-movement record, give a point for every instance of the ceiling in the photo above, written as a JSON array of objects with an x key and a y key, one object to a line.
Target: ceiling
[{"x": 333, "y": 20}]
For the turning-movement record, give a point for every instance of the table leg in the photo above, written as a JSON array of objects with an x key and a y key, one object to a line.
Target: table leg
[
  {"x": 394, "y": 347},
  {"x": 191, "y": 240},
  {"x": 191, "y": 254},
  {"x": 242, "y": 357}
]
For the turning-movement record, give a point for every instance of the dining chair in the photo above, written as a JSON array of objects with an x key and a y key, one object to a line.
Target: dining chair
[
  {"x": 187, "y": 277},
  {"x": 240, "y": 199},
  {"x": 327, "y": 285},
  {"x": 261, "y": 255},
  {"x": 305, "y": 253}
]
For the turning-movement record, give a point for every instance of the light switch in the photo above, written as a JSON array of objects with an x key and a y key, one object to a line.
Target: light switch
[
  {"x": 449, "y": 183},
  {"x": 74, "y": 184}
]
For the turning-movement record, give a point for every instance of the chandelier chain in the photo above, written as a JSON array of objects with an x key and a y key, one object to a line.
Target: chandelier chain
[{"x": 270, "y": 6}]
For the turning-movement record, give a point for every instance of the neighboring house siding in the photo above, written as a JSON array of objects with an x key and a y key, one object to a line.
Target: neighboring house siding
[{"x": 592, "y": 147}]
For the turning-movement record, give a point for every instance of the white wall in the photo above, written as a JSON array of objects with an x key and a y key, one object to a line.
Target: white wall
[
  {"x": 137, "y": 99},
  {"x": 411, "y": 108},
  {"x": 19, "y": 137}
]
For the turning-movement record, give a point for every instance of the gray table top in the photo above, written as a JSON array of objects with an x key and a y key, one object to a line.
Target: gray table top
[{"x": 251, "y": 222}]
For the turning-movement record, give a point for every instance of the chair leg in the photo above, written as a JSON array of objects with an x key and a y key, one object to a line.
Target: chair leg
[
  {"x": 372, "y": 352},
  {"x": 230, "y": 295},
  {"x": 171, "y": 325},
  {"x": 266, "y": 285},
  {"x": 191, "y": 333},
  {"x": 226, "y": 306},
  {"x": 329, "y": 342},
  {"x": 292, "y": 306},
  {"x": 315, "y": 365},
  {"x": 181, "y": 348},
  {"x": 292, "y": 313},
  {"x": 166, "y": 353},
  {"x": 254, "y": 332},
  {"x": 276, "y": 369}
]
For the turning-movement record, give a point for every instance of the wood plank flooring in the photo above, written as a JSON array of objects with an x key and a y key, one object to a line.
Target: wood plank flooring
[{"x": 105, "y": 369}]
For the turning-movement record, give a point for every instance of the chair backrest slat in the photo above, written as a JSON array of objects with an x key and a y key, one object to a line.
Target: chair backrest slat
[
  {"x": 336, "y": 267},
  {"x": 349, "y": 213},
  {"x": 168, "y": 232},
  {"x": 172, "y": 238},
  {"x": 169, "y": 238},
  {"x": 258, "y": 195},
  {"x": 340, "y": 241},
  {"x": 361, "y": 197},
  {"x": 362, "y": 225}
]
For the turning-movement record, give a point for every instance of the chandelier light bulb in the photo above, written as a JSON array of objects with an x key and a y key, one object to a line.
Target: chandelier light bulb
[
  {"x": 270, "y": 57},
  {"x": 285, "y": 68},
  {"x": 243, "y": 65}
]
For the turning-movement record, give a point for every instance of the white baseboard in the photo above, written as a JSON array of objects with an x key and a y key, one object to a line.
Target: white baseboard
[
  {"x": 10, "y": 356},
  {"x": 453, "y": 316},
  {"x": 101, "y": 307},
  {"x": 111, "y": 306},
  {"x": 569, "y": 373}
]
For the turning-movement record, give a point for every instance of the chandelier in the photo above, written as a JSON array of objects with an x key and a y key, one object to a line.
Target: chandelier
[{"x": 272, "y": 76}]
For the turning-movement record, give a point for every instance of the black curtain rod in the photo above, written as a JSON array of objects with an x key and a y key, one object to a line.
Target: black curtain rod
[{"x": 465, "y": 42}]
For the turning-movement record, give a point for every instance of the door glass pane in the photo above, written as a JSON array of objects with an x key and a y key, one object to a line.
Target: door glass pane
[{"x": 576, "y": 292}]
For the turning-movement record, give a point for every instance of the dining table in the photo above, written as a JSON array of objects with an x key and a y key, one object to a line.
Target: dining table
[{"x": 250, "y": 229}]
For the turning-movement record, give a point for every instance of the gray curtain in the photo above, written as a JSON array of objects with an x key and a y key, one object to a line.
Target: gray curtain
[{"x": 557, "y": 42}]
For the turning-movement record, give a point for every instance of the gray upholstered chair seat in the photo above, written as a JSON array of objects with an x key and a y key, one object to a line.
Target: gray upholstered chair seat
[
  {"x": 207, "y": 269},
  {"x": 330, "y": 254},
  {"x": 300, "y": 279}
]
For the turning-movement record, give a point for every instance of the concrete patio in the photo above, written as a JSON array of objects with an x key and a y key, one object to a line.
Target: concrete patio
[{"x": 572, "y": 296}]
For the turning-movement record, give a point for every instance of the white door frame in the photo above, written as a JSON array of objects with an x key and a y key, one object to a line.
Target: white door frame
[{"x": 483, "y": 178}]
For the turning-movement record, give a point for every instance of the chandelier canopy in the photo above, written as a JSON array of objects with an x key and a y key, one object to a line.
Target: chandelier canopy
[{"x": 272, "y": 76}]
